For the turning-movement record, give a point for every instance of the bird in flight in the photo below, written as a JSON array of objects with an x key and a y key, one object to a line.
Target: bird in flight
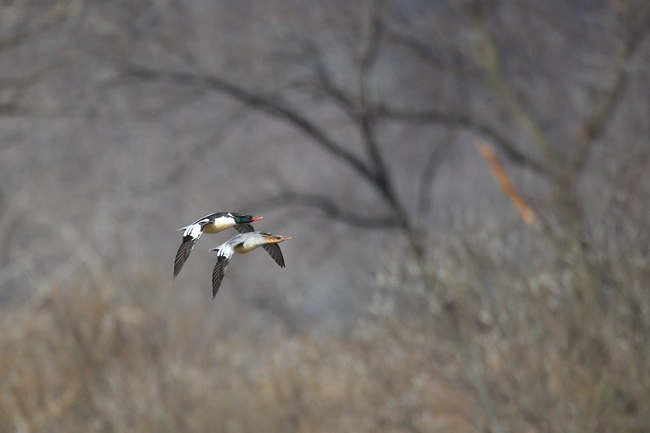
[
  {"x": 213, "y": 223},
  {"x": 242, "y": 244}
]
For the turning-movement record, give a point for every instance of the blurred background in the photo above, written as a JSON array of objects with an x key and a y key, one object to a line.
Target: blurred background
[{"x": 465, "y": 181}]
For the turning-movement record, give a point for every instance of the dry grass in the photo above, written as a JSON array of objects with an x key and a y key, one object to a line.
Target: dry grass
[{"x": 494, "y": 339}]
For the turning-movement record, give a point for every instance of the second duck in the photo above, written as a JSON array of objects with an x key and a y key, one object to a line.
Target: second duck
[{"x": 242, "y": 244}]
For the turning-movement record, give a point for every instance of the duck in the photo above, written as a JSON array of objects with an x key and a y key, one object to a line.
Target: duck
[
  {"x": 213, "y": 223},
  {"x": 241, "y": 244}
]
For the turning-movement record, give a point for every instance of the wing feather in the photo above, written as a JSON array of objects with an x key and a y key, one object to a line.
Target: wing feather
[
  {"x": 275, "y": 252},
  {"x": 218, "y": 273},
  {"x": 183, "y": 253},
  {"x": 244, "y": 228},
  {"x": 190, "y": 236}
]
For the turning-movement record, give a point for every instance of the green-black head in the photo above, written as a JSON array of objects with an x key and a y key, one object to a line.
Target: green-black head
[{"x": 245, "y": 219}]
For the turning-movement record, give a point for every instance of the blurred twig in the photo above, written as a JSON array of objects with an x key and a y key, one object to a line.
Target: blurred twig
[
  {"x": 184, "y": 164},
  {"x": 59, "y": 12},
  {"x": 329, "y": 208},
  {"x": 466, "y": 122},
  {"x": 264, "y": 103},
  {"x": 429, "y": 172},
  {"x": 602, "y": 112},
  {"x": 486, "y": 52},
  {"x": 505, "y": 182}
]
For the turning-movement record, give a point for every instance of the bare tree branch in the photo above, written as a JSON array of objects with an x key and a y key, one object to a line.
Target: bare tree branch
[
  {"x": 329, "y": 208},
  {"x": 466, "y": 122},
  {"x": 14, "y": 89},
  {"x": 488, "y": 55},
  {"x": 427, "y": 176},
  {"x": 370, "y": 51},
  {"x": 372, "y": 34},
  {"x": 521, "y": 205},
  {"x": 330, "y": 89},
  {"x": 427, "y": 53},
  {"x": 262, "y": 103},
  {"x": 58, "y": 13},
  {"x": 366, "y": 118},
  {"x": 597, "y": 121},
  {"x": 376, "y": 175},
  {"x": 186, "y": 161}
]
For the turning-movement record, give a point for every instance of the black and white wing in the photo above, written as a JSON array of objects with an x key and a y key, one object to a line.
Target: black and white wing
[
  {"x": 209, "y": 218},
  {"x": 275, "y": 252},
  {"x": 191, "y": 234},
  {"x": 218, "y": 273}
]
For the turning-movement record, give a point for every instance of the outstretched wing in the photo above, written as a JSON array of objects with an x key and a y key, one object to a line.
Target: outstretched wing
[
  {"x": 218, "y": 273},
  {"x": 209, "y": 218},
  {"x": 182, "y": 254},
  {"x": 275, "y": 252},
  {"x": 190, "y": 236},
  {"x": 272, "y": 249},
  {"x": 244, "y": 228}
]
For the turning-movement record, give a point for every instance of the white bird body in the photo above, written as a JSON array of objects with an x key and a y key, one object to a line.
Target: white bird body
[
  {"x": 219, "y": 224},
  {"x": 248, "y": 245}
]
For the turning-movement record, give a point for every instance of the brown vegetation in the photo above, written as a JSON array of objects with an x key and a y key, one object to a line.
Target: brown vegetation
[{"x": 505, "y": 345}]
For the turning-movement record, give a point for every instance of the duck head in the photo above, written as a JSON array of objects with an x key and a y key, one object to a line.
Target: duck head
[{"x": 274, "y": 239}]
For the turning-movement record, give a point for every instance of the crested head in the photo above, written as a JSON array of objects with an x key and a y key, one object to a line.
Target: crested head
[
  {"x": 244, "y": 219},
  {"x": 273, "y": 239}
]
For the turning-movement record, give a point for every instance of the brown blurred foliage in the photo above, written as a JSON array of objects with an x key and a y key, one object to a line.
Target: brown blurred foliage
[{"x": 505, "y": 343}]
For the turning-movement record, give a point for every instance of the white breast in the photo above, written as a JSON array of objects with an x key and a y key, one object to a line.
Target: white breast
[
  {"x": 219, "y": 224},
  {"x": 247, "y": 246}
]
